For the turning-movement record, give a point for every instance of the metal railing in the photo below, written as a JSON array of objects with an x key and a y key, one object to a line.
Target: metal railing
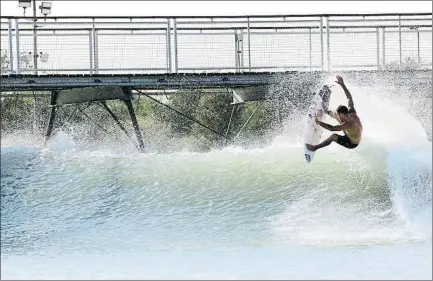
[{"x": 142, "y": 45}]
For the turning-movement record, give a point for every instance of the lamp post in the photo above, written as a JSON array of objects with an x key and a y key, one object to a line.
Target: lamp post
[{"x": 45, "y": 8}]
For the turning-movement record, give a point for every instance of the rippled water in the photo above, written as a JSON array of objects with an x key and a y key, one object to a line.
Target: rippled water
[{"x": 230, "y": 214}]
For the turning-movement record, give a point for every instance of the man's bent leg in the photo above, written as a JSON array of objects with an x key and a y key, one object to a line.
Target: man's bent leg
[{"x": 333, "y": 137}]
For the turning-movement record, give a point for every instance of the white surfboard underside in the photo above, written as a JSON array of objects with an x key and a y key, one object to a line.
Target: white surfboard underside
[{"x": 312, "y": 131}]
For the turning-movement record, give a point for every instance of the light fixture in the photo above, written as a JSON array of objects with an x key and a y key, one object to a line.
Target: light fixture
[
  {"x": 45, "y": 8},
  {"x": 24, "y": 4}
]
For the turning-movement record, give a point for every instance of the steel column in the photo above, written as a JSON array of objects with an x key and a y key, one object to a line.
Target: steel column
[
  {"x": 35, "y": 41},
  {"x": 399, "y": 37},
  {"x": 95, "y": 48},
  {"x": 328, "y": 44},
  {"x": 310, "y": 47},
  {"x": 237, "y": 63},
  {"x": 17, "y": 38},
  {"x": 249, "y": 44},
  {"x": 322, "y": 55},
  {"x": 377, "y": 48},
  {"x": 127, "y": 100},
  {"x": 11, "y": 55},
  {"x": 418, "y": 47},
  {"x": 383, "y": 47},
  {"x": 175, "y": 46},
  {"x": 241, "y": 49},
  {"x": 91, "y": 50},
  {"x": 104, "y": 104},
  {"x": 52, "y": 116},
  {"x": 169, "y": 65}
]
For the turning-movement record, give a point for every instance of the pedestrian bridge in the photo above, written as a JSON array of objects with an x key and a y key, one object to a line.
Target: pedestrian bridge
[
  {"x": 94, "y": 59},
  {"x": 46, "y": 53}
]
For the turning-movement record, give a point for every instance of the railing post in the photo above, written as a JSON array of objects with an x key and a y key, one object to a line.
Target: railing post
[
  {"x": 236, "y": 50},
  {"x": 328, "y": 44},
  {"x": 11, "y": 55},
  {"x": 168, "y": 45},
  {"x": 377, "y": 48},
  {"x": 309, "y": 46},
  {"x": 175, "y": 45},
  {"x": 399, "y": 38},
  {"x": 35, "y": 41},
  {"x": 322, "y": 55},
  {"x": 91, "y": 51},
  {"x": 249, "y": 44},
  {"x": 241, "y": 50},
  {"x": 383, "y": 47},
  {"x": 17, "y": 38},
  {"x": 95, "y": 48},
  {"x": 418, "y": 47}
]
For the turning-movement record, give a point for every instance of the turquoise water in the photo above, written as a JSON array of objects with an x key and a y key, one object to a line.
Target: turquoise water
[{"x": 230, "y": 214}]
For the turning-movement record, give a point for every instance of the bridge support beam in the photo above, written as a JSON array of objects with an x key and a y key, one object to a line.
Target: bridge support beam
[
  {"x": 127, "y": 100},
  {"x": 104, "y": 105},
  {"x": 35, "y": 127},
  {"x": 54, "y": 95}
]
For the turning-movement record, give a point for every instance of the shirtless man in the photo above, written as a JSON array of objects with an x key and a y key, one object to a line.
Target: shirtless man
[{"x": 349, "y": 124}]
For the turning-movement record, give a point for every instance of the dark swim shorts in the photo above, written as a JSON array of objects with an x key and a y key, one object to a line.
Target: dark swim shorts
[{"x": 346, "y": 142}]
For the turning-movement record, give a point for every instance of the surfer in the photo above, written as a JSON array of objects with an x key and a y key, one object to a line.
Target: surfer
[{"x": 349, "y": 123}]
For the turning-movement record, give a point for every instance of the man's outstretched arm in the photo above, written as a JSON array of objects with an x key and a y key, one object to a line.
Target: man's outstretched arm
[
  {"x": 346, "y": 91},
  {"x": 340, "y": 127}
]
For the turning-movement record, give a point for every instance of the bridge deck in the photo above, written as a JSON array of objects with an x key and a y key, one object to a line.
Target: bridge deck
[
  {"x": 194, "y": 80},
  {"x": 144, "y": 81}
]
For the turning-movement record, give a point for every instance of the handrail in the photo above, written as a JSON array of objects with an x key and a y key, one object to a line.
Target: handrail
[
  {"x": 226, "y": 28},
  {"x": 228, "y": 16}
]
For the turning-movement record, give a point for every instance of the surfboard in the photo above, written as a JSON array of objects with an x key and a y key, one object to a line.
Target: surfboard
[{"x": 312, "y": 131}]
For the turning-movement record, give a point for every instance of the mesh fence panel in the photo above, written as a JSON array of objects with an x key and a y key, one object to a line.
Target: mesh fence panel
[
  {"x": 425, "y": 42},
  {"x": 25, "y": 52},
  {"x": 132, "y": 52},
  {"x": 353, "y": 49},
  {"x": 410, "y": 49},
  {"x": 287, "y": 50},
  {"x": 206, "y": 51},
  {"x": 5, "y": 47},
  {"x": 233, "y": 44},
  {"x": 5, "y": 59},
  {"x": 68, "y": 52}
]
